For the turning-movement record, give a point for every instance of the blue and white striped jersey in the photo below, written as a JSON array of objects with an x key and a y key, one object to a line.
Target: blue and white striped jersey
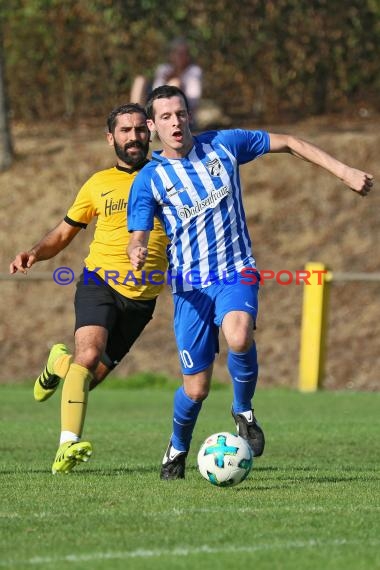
[{"x": 198, "y": 199}]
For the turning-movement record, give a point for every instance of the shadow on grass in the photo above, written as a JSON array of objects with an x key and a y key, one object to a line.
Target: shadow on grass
[{"x": 279, "y": 476}]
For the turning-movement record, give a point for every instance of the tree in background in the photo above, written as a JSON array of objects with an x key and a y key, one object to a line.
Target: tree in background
[
  {"x": 267, "y": 59},
  {"x": 6, "y": 151}
]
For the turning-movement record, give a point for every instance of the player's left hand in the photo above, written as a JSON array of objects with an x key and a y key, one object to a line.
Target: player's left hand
[{"x": 359, "y": 181}]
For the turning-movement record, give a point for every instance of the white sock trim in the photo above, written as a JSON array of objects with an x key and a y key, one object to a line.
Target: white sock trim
[
  {"x": 68, "y": 436},
  {"x": 248, "y": 415},
  {"x": 173, "y": 452}
]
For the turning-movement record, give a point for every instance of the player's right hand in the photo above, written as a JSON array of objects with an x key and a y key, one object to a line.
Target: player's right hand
[
  {"x": 138, "y": 256},
  {"x": 22, "y": 262}
]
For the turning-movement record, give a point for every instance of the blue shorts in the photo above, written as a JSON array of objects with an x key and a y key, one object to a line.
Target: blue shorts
[{"x": 198, "y": 314}]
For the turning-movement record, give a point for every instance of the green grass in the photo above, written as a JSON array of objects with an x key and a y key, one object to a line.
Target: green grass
[{"x": 310, "y": 503}]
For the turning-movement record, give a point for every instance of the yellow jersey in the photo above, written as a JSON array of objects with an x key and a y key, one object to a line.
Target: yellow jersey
[{"x": 105, "y": 196}]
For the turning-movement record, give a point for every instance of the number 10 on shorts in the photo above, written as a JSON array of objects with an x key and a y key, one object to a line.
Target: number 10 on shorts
[{"x": 187, "y": 361}]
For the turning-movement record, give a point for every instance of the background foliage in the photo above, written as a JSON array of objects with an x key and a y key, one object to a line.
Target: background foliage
[{"x": 263, "y": 58}]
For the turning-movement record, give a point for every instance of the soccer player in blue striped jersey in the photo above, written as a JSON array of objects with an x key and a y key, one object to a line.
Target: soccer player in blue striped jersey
[{"x": 193, "y": 187}]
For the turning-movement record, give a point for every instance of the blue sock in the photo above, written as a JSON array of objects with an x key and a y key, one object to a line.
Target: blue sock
[
  {"x": 185, "y": 416},
  {"x": 243, "y": 368}
]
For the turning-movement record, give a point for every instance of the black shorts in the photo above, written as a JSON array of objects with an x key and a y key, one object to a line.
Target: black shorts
[{"x": 97, "y": 303}]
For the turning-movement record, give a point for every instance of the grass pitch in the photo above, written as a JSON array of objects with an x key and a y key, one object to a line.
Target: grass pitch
[{"x": 311, "y": 502}]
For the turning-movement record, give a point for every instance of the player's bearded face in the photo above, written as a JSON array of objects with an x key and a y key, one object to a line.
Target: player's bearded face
[{"x": 132, "y": 152}]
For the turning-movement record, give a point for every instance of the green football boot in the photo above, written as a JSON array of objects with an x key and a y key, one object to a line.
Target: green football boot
[
  {"x": 70, "y": 454},
  {"x": 47, "y": 382}
]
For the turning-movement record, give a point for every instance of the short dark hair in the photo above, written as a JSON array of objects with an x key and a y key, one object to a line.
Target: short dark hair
[
  {"x": 164, "y": 92},
  {"x": 126, "y": 109}
]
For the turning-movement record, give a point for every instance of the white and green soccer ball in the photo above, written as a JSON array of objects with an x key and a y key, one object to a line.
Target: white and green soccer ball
[{"x": 225, "y": 459}]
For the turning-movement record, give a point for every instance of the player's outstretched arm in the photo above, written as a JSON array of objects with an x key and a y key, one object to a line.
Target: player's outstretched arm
[
  {"x": 51, "y": 244},
  {"x": 358, "y": 180},
  {"x": 137, "y": 250}
]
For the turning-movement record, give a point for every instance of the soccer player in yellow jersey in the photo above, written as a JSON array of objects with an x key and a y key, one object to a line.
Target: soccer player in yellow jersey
[{"x": 113, "y": 302}]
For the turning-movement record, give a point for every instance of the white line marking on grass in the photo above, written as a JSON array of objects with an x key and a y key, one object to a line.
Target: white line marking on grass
[
  {"x": 257, "y": 509},
  {"x": 185, "y": 551},
  {"x": 178, "y": 512}
]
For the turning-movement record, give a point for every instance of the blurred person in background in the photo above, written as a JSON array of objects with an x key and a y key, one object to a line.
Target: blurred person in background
[{"x": 180, "y": 71}]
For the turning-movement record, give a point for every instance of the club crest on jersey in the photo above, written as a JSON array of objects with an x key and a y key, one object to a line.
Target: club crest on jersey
[{"x": 214, "y": 167}]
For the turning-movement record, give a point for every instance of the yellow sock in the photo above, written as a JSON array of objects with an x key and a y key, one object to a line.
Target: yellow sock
[
  {"x": 74, "y": 399},
  {"x": 62, "y": 364}
]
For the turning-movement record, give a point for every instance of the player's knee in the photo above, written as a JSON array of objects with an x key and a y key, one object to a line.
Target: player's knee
[
  {"x": 89, "y": 358},
  {"x": 240, "y": 341},
  {"x": 197, "y": 393}
]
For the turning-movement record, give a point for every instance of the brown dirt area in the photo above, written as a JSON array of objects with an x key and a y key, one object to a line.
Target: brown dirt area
[{"x": 297, "y": 213}]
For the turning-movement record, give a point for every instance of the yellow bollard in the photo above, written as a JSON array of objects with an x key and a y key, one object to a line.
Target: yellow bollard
[{"x": 313, "y": 327}]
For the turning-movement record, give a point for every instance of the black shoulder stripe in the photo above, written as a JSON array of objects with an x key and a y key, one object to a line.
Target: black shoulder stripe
[{"x": 74, "y": 223}]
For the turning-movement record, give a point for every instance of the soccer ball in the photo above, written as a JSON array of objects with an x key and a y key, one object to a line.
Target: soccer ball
[{"x": 225, "y": 459}]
